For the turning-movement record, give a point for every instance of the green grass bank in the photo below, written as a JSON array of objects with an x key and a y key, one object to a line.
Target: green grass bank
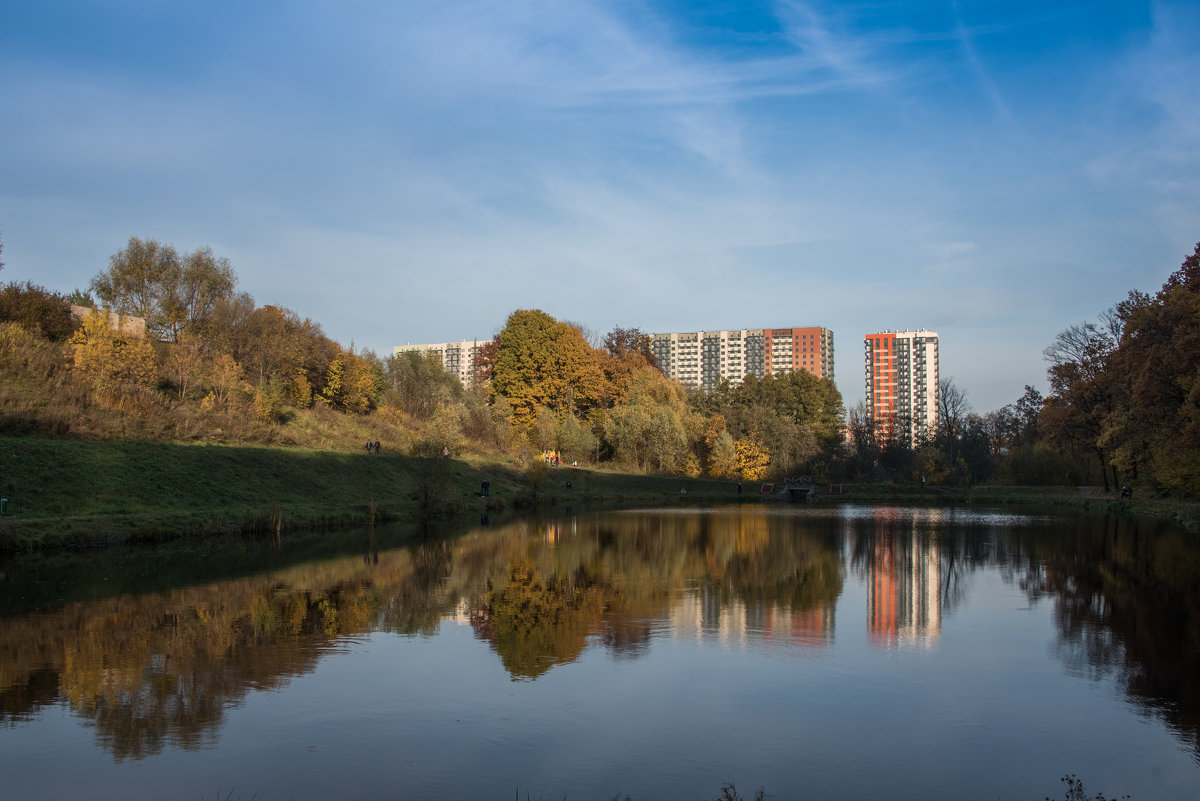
[
  {"x": 64, "y": 493},
  {"x": 76, "y": 493}
]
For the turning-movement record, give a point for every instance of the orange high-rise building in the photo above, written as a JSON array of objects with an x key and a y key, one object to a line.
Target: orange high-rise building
[
  {"x": 902, "y": 384},
  {"x": 790, "y": 350}
]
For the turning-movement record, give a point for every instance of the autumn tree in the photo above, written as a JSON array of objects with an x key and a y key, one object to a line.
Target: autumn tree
[
  {"x": 752, "y": 458},
  {"x": 1080, "y": 388},
  {"x": 37, "y": 310},
  {"x": 273, "y": 340},
  {"x": 150, "y": 280},
  {"x": 269, "y": 395},
  {"x": 543, "y": 362},
  {"x": 795, "y": 416},
  {"x": 224, "y": 377},
  {"x": 228, "y": 328},
  {"x": 625, "y": 351},
  {"x": 352, "y": 383},
  {"x": 115, "y": 363},
  {"x": 202, "y": 281},
  {"x": 483, "y": 367},
  {"x": 184, "y": 360},
  {"x": 1153, "y": 420},
  {"x": 722, "y": 456}
]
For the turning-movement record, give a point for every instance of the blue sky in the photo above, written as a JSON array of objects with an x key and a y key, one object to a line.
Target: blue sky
[{"x": 414, "y": 171}]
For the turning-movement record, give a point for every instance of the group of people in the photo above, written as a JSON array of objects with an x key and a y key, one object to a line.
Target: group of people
[{"x": 373, "y": 447}]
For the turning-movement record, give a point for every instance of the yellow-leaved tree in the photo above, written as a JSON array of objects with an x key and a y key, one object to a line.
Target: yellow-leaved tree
[
  {"x": 752, "y": 458},
  {"x": 352, "y": 384},
  {"x": 117, "y": 364}
]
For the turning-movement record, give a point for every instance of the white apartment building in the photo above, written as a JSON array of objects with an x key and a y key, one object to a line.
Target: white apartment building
[
  {"x": 457, "y": 357},
  {"x": 705, "y": 358}
]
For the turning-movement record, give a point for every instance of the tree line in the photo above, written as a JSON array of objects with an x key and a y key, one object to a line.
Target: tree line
[
  {"x": 557, "y": 393},
  {"x": 1123, "y": 407},
  {"x": 214, "y": 364},
  {"x": 1123, "y": 402},
  {"x": 1125, "y": 389}
]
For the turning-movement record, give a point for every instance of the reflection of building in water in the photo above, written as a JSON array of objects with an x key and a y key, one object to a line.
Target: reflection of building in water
[
  {"x": 903, "y": 605},
  {"x": 810, "y": 628},
  {"x": 700, "y": 613}
]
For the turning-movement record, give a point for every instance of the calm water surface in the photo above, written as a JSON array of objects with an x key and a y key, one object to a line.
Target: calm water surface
[{"x": 822, "y": 653}]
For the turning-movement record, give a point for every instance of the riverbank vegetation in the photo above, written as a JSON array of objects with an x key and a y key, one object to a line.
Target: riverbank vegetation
[{"x": 182, "y": 402}]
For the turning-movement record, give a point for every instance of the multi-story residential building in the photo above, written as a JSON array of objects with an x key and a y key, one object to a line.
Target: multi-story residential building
[
  {"x": 457, "y": 357},
  {"x": 902, "y": 383},
  {"x": 695, "y": 358},
  {"x": 704, "y": 358}
]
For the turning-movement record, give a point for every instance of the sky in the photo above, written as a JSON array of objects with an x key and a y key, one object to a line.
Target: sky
[{"x": 414, "y": 171}]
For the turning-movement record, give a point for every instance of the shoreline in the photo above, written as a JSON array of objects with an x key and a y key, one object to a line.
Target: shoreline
[{"x": 69, "y": 494}]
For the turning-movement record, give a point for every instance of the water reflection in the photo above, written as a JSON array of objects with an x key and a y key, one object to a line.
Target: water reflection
[{"x": 160, "y": 669}]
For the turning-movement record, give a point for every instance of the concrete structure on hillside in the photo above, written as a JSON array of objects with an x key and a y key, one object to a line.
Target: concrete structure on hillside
[
  {"x": 457, "y": 357},
  {"x": 127, "y": 323},
  {"x": 902, "y": 383},
  {"x": 705, "y": 358}
]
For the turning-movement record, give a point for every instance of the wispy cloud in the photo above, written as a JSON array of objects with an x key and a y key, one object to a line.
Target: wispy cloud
[
  {"x": 414, "y": 171},
  {"x": 986, "y": 84}
]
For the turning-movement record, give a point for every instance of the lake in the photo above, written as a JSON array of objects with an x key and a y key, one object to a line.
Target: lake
[{"x": 829, "y": 652}]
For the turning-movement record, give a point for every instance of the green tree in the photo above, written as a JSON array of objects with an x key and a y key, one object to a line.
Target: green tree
[
  {"x": 650, "y": 430},
  {"x": 419, "y": 384},
  {"x": 443, "y": 432},
  {"x": 796, "y": 416}
]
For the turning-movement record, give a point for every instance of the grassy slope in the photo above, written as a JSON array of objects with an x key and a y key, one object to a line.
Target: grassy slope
[
  {"x": 75, "y": 492},
  {"x": 84, "y": 491}
]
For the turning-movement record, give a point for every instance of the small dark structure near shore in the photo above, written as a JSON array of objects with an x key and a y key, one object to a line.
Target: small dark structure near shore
[{"x": 798, "y": 489}]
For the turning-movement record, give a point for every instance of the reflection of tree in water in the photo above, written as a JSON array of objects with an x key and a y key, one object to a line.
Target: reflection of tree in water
[
  {"x": 766, "y": 562},
  {"x": 609, "y": 581},
  {"x": 1127, "y": 605},
  {"x": 160, "y": 669},
  {"x": 419, "y": 604},
  {"x": 147, "y": 680},
  {"x": 536, "y": 622}
]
